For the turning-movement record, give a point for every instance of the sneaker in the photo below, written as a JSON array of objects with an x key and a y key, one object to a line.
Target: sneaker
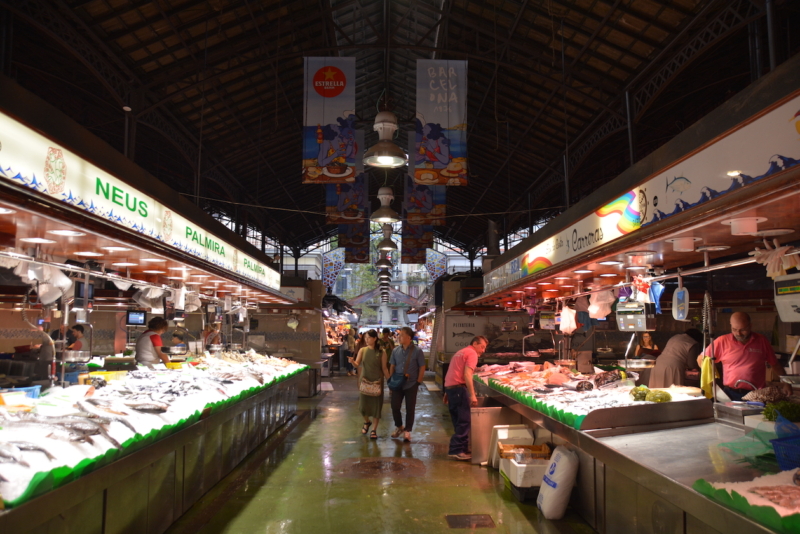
[
  {"x": 463, "y": 456},
  {"x": 397, "y": 432},
  {"x": 407, "y": 437}
]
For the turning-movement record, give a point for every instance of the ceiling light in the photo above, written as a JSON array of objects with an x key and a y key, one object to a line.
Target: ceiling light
[
  {"x": 88, "y": 254},
  {"x": 683, "y": 244},
  {"x": 561, "y": 278},
  {"x": 154, "y": 272},
  {"x": 67, "y": 233},
  {"x": 217, "y": 281},
  {"x": 744, "y": 225},
  {"x": 232, "y": 285},
  {"x": 115, "y": 249},
  {"x": 174, "y": 278},
  {"x": 545, "y": 283},
  {"x": 607, "y": 275},
  {"x": 387, "y": 244},
  {"x": 636, "y": 267},
  {"x": 712, "y": 248},
  {"x": 609, "y": 262},
  {"x": 384, "y": 262},
  {"x": 530, "y": 287},
  {"x": 385, "y": 153},
  {"x": 7, "y": 211},
  {"x": 124, "y": 264},
  {"x": 734, "y": 174},
  {"x": 567, "y": 286},
  {"x": 772, "y": 232},
  {"x": 385, "y": 214},
  {"x": 179, "y": 269},
  {"x": 205, "y": 287},
  {"x": 639, "y": 253},
  {"x": 153, "y": 260},
  {"x": 203, "y": 276},
  {"x": 583, "y": 271},
  {"x": 37, "y": 240}
]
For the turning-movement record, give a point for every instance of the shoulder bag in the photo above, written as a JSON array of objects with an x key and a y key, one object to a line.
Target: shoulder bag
[{"x": 398, "y": 380}]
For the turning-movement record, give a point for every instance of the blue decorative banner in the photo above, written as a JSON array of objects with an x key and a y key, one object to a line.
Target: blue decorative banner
[
  {"x": 330, "y": 145},
  {"x": 332, "y": 264},
  {"x": 416, "y": 240},
  {"x": 436, "y": 264},
  {"x": 440, "y": 143},
  {"x": 356, "y": 242},
  {"x": 424, "y": 204},
  {"x": 346, "y": 203}
]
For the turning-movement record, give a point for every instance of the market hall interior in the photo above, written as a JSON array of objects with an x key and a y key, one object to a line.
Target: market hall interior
[{"x": 320, "y": 474}]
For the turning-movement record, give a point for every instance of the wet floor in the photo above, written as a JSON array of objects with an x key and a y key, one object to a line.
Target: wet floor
[{"x": 320, "y": 474}]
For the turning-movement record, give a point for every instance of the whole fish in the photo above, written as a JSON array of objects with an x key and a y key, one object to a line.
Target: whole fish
[
  {"x": 52, "y": 431},
  {"x": 28, "y": 446},
  {"x": 11, "y": 453},
  {"x": 148, "y": 407},
  {"x": 84, "y": 425},
  {"x": 104, "y": 411}
]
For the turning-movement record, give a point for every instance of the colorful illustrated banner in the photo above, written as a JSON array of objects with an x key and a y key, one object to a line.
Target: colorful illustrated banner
[
  {"x": 355, "y": 240},
  {"x": 346, "y": 203},
  {"x": 416, "y": 240},
  {"x": 29, "y": 159},
  {"x": 435, "y": 263},
  {"x": 440, "y": 144},
  {"x": 332, "y": 264},
  {"x": 763, "y": 147},
  {"x": 331, "y": 147},
  {"x": 424, "y": 204}
]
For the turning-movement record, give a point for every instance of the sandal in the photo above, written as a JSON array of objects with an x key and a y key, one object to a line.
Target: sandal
[
  {"x": 373, "y": 435},
  {"x": 365, "y": 428},
  {"x": 397, "y": 432}
]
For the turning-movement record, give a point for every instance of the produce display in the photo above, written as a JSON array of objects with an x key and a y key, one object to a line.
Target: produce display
[
  {"x": 568, "y": 395},
  {"x": 56, "y": 437},
  {"x": 789, "y": 410}
]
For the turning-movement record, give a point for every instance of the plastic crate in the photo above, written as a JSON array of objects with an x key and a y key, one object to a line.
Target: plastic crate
[
  {"x": 787, "y": 451},
  {"x": 109, "y": 375},
  {"x": 30, "y": 391},
  {"x": 71, "y": 377}
]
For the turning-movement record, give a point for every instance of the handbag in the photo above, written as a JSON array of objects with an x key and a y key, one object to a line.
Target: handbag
[
  {"x": 370, "y": 389},
  {"x": 398, "y": 380}
]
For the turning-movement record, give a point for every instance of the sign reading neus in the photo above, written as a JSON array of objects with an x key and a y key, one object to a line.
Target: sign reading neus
[{"x": 31, "y": 160}]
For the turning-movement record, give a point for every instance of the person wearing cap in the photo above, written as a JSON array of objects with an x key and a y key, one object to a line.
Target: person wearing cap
[{"x": 459, "y": 393}]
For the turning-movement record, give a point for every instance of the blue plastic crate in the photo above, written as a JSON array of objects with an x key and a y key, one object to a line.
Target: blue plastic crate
[
  {"x": 72, "y": 377},
  {"x": 787, "y": 451},
  {"x": 31, "y": 391}
]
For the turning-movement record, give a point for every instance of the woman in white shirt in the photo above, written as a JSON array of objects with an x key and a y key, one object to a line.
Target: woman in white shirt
[{"x": 148, "y": 345}]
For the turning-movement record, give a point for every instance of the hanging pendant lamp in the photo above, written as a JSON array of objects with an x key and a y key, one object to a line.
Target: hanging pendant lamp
[
  {"x": 385, "y": 214},
  {"x": 383, "y": 262},
  {"x": 385, "y": 153},
  {"x": 384, "y": 275},
  {"x": 387, "y": 244}
]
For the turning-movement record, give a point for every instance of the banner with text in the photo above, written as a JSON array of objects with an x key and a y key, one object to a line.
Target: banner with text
[
  {"x": 424, "y": 204},
  {"x": 439, "y": 154},
  {"x": 330, "y": 144},
  {"x": 346, "y": 203},
  {"x": 29, "y": 159}
]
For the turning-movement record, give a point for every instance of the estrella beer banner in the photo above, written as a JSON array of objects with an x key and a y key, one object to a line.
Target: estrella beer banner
[
  {"x": 416, "y": 240},
  {"x": 439, "y": 153},
  {"x": 346, "y": 203},
  {"x": 330, "y": 144},
  {"x": 424, "y": 204}
]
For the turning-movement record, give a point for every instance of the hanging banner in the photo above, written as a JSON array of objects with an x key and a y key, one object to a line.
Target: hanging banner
[
  {"x": 424, "y": 204},
  {"x": 332, "y": 264},
  {"x": 346, "y": 203},
  {"x": 440, "y": 144},
  {"x": 355, "y": 240},
  {"x": 416, "y": 239},
  {"x": 330, "y": 145},
  {"x": 436, "y": 264}
]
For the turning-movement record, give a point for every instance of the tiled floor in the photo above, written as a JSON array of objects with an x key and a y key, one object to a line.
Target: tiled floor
[{"x": 325, "y": 476}]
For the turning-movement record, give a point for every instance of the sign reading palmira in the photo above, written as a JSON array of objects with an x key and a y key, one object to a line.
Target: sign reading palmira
[{"x": 29, "y": 159}]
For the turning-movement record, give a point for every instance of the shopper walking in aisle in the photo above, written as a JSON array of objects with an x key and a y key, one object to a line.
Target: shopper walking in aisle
[
  {"x": 347, "y": 348},
  {"x": 407, "y": 360},
  {"x": 387, "y": 341},
  {"x": 372, "y": 363},
  {"x": 459, "y": 394}
]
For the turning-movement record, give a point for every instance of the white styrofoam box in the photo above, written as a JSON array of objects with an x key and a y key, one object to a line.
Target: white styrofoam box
[
  {"x": 757, "y": 421},
  {"x": 524, "y": 475},
  {"x": 518, "y": 434},
  {"x": 542, "y": 436}
]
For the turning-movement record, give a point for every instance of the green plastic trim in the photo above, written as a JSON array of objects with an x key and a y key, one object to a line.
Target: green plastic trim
[
  {"x": 766, "y": 515},
  {"x": 44, "y": 481}
]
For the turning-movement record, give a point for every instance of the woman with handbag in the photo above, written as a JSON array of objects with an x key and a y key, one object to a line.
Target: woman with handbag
[{"x": 372, "y": 362}]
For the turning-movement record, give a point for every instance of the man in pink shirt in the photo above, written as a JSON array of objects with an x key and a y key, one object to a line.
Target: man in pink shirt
[
  {"x": 744, "y": 356},
  {"x": 459, "y": 392}
]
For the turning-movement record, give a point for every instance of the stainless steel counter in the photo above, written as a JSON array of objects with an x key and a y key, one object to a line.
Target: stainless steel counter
[{"x": 638, "y": 479}]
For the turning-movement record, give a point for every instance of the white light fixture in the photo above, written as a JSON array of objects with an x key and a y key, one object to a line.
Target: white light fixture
[
  {"x": 683, "y": 244},
  {"x": 153, "y": 260},
  {"x": 385, "y": 214},
  {"x": 609, "y": 262},
  {"x": 636, "y": 267},
  {"x": 744, "y": 225},
  {"x": 37, "y": 240},
  {"x": 387, "y": 244},
  {"x": 384, "y": 276},
  {"x": 385, "y": 153},
  {"x": 124, "y": 264},
  {"x": 7, "y": 211},
  {"x": 772, "y": 232},
  {"x": 712, "y": 248},
  {"x": 383, "y": 263},
  {"x": 608, "y": 275},
  {"x": 115, "y": 249},
  {"x": 67, "y": 233},
  {"x": 89, "y": 254},
  {"x": 154, "y": 272},
  {"x": 640, "y": 253},
  {"x": 583, "y": 271}
]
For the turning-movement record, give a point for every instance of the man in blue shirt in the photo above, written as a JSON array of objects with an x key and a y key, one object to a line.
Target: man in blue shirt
[{"x": 416, "y": 370}]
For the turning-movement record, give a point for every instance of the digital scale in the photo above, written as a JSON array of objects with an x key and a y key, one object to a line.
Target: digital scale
[
  {"x": 547, "y": 320},
  {"x": 636, "y": 317}
]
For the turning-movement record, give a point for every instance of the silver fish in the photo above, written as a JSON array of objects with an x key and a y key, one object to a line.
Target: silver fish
[
  {"x": 148, "y": 407},
  {"x": 84, "y": 425},
  {"x": 105, "y": 412},
  {"x": 27, "y": 446},
  {"x": 53, "y": 431},
  {"x": 9, "y": 452}
]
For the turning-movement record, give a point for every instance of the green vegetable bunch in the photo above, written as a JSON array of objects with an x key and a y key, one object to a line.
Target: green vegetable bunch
[
  {"x": 658, "y": 396},
  {"x": 789, "y": 410},
  {"x": 639, "y": 393}
]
